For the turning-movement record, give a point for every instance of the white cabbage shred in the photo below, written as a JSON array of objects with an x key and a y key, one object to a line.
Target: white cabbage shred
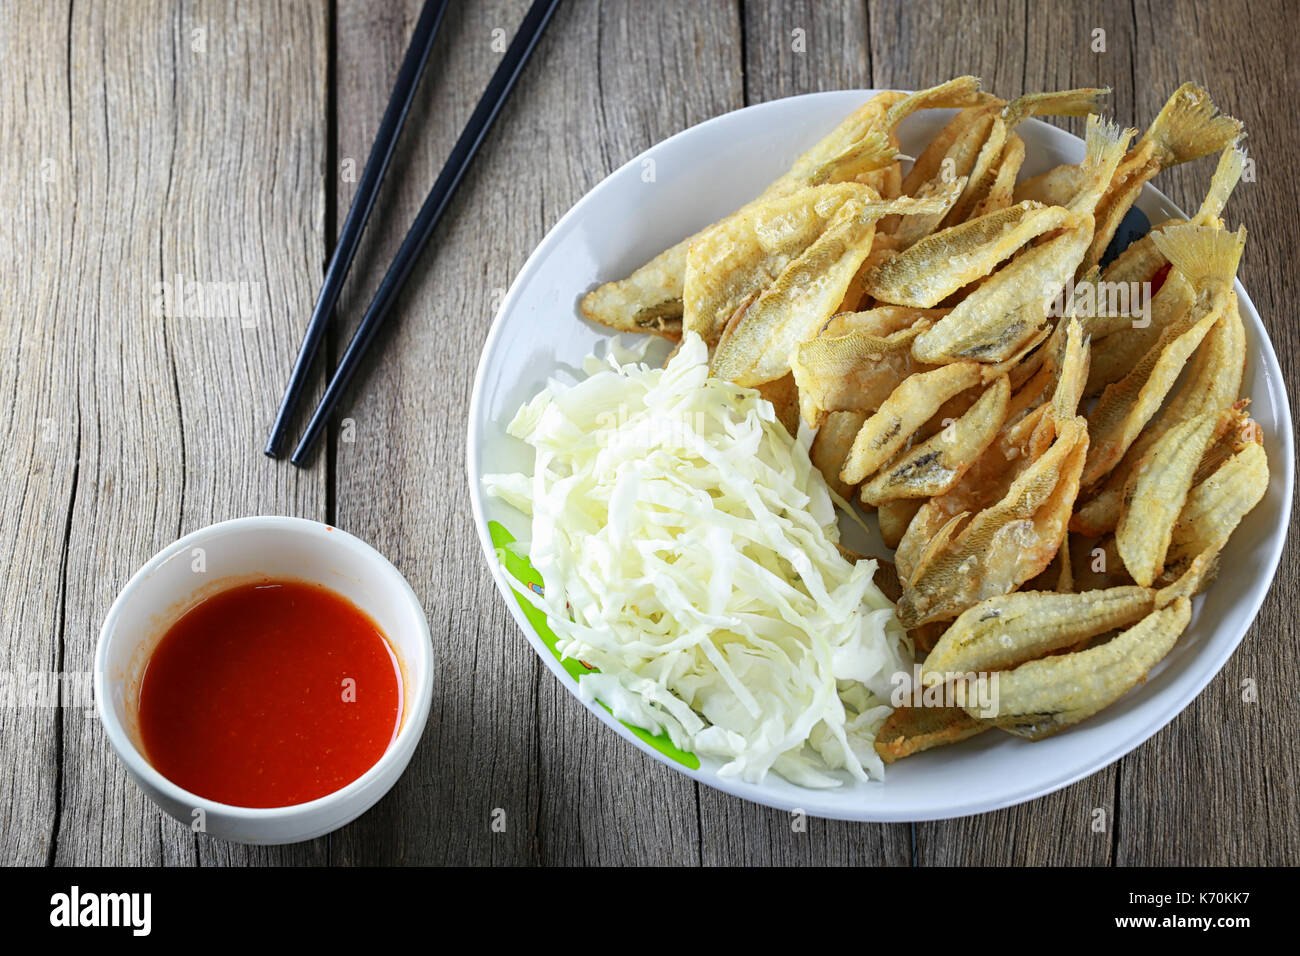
[{"x": 688, "y": 549}]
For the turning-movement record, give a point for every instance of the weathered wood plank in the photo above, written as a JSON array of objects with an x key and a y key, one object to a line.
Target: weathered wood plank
[
  {"x": 805, "y": 47},
  {"x": 915, "y": 45},
  {"x": 39, "y": 436},
  {"x": 406, "y": 441},
  {"x": 1072, "y": 45},
  {"x": 197, "y": 153},
  {"x": 1220, "y": 786},
  {"x": 498, "y": 713}
]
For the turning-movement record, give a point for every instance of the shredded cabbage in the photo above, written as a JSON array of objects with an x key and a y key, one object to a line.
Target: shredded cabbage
[{"x": 688, "y": 549}]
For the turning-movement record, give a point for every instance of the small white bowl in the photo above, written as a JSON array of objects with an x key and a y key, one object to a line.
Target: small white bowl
[{"x": 225, "y": 555}]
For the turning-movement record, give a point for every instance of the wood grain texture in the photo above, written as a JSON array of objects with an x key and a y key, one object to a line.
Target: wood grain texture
[
  {"x": 39, "y": 436},
  {"x": 805, "y": 47},
  {"x": 221, "y": 143},
  {"x": 1220, "y": 785},
  {"x": 171, "y": 158},
  {"x": 479, "y": 749}
]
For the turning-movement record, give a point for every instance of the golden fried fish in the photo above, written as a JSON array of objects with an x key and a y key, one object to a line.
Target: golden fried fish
[
  {"x": 908, "y": 407},
  {"x": 1215, "y": 507},
  {"x": 912, "y": 730},
  {"x": 1009, "y": 307},
  {"x": 1004, "y": 545},
  {"x": 1188, "y": 127},
  {"x": 760, "y": 338},
  {"x": 855, "y": 370},
  {"x": 1155, "y": 493},
  {"x": 1208, "y": 258},
  {"x": 926, "y": 273},
  {"x": 651, "y": 298},
  {"x": 936, "y": 464},
  {"x": 1141, "y": 260},
  {"x": 1008, "y": 630},
  {"x": 1042, "y": 697}
]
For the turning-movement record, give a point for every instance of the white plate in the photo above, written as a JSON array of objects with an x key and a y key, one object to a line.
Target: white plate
[{"x": 695, "y": 178}]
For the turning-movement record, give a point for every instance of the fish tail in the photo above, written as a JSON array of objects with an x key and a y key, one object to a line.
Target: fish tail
[
  {"x": 934, "y": 201},
  {"x": 875, "y": 151},
  {"x": 1106, "y": 144},
  {"x": 1205, "y": 255},
  {"x": 1080, "y": 102},
  {"x": 1226, "y": 176},
  {"x": 872, "y": 151},
  {"x": 957, "y": 93},
  {"x": 1190, "y": 126}
]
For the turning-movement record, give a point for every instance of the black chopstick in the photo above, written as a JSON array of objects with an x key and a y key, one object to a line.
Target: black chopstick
[
  {"x": 390, "y": 128},
  {"x": 462, "y": 154}
]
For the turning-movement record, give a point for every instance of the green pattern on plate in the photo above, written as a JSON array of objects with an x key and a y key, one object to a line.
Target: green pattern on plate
[{"x": 522, "y": 570}]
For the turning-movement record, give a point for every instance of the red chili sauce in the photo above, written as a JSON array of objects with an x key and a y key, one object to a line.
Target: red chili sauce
[{"x": 270, "y": 694}]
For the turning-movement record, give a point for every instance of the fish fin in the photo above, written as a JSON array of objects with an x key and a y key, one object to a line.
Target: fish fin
[
  {"x": 1056, "y": 103},
  {"x": 1226, "y": 176},
  {"x": 1205, "y": 255},
  {"x": 934, "y": 201},
  {"x": 1106, "y": 144},
  {"x": 1072, "y": 372},
  {"x": 960, "y": 92},
  {"x": 1190, "y": 126},
  {"x": 871, "y": 152}
]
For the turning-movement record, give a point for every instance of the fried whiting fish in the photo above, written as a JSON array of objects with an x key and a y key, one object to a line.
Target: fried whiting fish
[
  {"x": 912, "y": 321},
  {"x": 1210, "y": 257},
  {"x": 925, "y": 274},
  {"x": 1141, "y": 260},
  {"x": 936, "y": 464},
  {"x": 1007, "y": 308},
  {"x": 1188, "y": 126},
  {"x": 761, "y": 335},
  {"x": 1213, "y": 382},
  {"x": 1009, "y": 630},
  {"x": 908, "y": 407},
  {"x": 980, "y": 150},
  {"x": 1003, "y": 546},
  {"x": 1042, "y": 697},
  {"x": 984, "y": 171},
  {"x": 1216, "y": 506},
  {"x": 856, "y": 369},
  {"x": 1154, "y": 495},
  {"x": 911, "y": 730},
  {"x": 732, "y": 263},
  {"x": 650, "y": 299}
]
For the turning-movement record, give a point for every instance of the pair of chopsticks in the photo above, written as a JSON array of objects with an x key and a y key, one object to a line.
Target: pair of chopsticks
[{"x": 458, "y": 162}]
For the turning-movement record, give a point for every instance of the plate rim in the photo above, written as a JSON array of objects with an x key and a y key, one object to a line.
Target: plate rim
[{"x": 755, "y": 793}]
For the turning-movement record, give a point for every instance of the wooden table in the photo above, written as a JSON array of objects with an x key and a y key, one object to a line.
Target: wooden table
[{"x": 152, "y": 142}]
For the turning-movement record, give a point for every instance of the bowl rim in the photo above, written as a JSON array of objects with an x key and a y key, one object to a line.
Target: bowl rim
[
  {"x": 756, "y": 793},
  {"x": 420, "y": 696}
]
